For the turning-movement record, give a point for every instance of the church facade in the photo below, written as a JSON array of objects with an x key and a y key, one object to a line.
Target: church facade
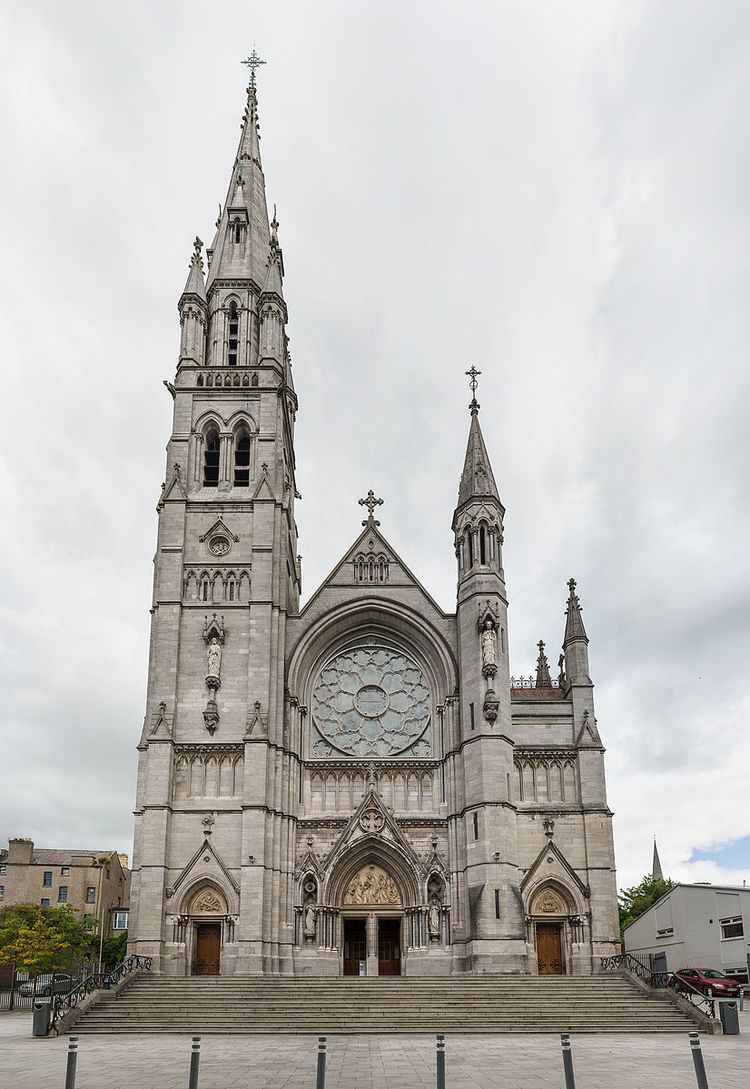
[{"x": 356, "y": 786}]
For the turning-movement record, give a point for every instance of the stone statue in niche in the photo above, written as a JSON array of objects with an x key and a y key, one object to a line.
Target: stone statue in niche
[
  {"x": 214, "y": 659},
  {"x": 309, "y": 926},
  {"x": 433, "y": 919},
  {"x": 489, "y": 647}
]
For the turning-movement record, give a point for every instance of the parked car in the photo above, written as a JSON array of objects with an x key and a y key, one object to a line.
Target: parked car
[
  {"x": 709, "y": 981},
  {"x": 48, "y": 984}
]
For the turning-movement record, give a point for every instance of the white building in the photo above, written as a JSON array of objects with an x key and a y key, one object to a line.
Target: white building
[{"x": 699, "y": 926}]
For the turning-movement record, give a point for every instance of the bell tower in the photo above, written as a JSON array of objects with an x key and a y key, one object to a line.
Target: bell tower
[{"x": 213, "y": 797}]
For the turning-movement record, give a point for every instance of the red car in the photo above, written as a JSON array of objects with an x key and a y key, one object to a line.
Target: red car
[{"x": 709, "y": 981}]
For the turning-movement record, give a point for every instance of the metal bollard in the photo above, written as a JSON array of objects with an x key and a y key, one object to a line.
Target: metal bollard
[
  {"x": 70, "y": 1069},
  {"x": 320, "y": 1082},
  {"x": 700, "y": 1068},
  {"x": 440, "y": 1059},
  {"x": 195, "y": 1062},
  {"x": 742, "y": 999},
  {"x": 567, "y": 1054}
]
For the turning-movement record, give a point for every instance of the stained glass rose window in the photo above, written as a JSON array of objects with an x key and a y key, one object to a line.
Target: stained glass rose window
[{"x": 371, "y": 701}]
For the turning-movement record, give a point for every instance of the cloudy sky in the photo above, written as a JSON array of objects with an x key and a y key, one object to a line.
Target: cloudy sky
[{"x": 557, "y": 193}]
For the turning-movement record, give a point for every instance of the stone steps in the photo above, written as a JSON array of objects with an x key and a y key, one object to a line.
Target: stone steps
[{"x": 485, "y": 1004}]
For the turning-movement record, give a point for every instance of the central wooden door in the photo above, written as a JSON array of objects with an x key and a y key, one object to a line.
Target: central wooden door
[
  {"x": 207, "y": 949},
  {"x": 355, "y": 946},
  {"x": 389, "y": 947},
  {"x": 549, "y": 949}
]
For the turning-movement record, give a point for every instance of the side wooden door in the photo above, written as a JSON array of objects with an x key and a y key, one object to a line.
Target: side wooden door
[
  {"x": 207, "y": 949},
  {"x": 355, "y": 945},
  {"x": 549, "y": 949}
]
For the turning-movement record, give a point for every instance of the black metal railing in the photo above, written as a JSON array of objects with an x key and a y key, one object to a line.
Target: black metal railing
[
  {"x": 96, "y": 981},
  {"x": 659, "y": 980}
]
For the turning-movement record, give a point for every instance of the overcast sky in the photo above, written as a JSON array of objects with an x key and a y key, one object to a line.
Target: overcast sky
[{"x": 556, "y": 193}]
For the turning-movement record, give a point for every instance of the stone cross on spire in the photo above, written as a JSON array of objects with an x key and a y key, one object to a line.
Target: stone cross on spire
[
  {"x": 371, "y": 503},
  {"x": 253, "y": 62},
  {"x": 472, "y": 375}
]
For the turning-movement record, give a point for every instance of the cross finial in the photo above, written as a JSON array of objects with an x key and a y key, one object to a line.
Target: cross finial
[
  {"x": 371, "y": 503},
  {"x": 472, "y": 375},
  {"x": 253, "y": 62},
  {"x": 572, "y": 586}
]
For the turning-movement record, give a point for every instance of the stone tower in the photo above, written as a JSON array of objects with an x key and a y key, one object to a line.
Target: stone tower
[{"x": 357, "y": 785}]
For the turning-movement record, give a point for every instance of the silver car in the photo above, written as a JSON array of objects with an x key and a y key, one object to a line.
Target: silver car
[{"x": 47, "y": 984}]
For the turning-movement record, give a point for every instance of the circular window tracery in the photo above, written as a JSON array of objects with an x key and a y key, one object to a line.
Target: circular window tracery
[{"x": 371, "y": 701}]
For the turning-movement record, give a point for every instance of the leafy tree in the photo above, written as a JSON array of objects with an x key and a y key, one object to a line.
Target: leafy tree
[
  {"x": 114, "y": 950},
  {"x": 40, "y": 939},
  {"x": 633, "y": 902}
]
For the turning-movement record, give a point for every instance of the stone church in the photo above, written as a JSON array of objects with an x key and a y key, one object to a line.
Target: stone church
[{"x": 355, "y": 786}]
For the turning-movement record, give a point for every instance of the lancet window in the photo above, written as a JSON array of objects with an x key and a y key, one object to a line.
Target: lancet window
[
  {"x": 242, "y": 461},
  {"x": 234, "y": 331},
  {"x": 211, "y": 456}
]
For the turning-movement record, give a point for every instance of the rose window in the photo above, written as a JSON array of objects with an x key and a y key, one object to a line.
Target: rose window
[{"x": 371, "y": 701}]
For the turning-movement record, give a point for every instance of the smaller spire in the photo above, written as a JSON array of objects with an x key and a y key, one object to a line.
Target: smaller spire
[
  {"x": 543, "y": 678},
  {"x": 195, "y": 284},
  {"x": 574, "y": 628},
  {"x": 656, "y": 870}
]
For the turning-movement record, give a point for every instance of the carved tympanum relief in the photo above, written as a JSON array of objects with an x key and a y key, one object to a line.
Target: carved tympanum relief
[
  {"x": 208, "y": 902},
  {"x": 547, "y": 902},
  {"x": 371, "y": 701},
  {"x": 372, "y": 885}
]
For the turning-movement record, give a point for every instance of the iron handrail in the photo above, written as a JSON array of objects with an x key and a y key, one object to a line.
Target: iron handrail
[
  {"x": 657, "y": 980},
  {"x": 97, "y": 981}
]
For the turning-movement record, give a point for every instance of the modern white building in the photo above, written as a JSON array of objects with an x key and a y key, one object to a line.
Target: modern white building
[{"x": 703, "y": 926}]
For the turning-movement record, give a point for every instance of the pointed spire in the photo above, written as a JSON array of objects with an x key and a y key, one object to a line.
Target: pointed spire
[
  {"x": 195, "y": 284},
  {"x": 574, "y": 628},
  {"x": 477, "y": 478},
  {"x": 656, "y": 870},
  {"x": 245, "y": 207},
  {"x": 543, "y": 678}
]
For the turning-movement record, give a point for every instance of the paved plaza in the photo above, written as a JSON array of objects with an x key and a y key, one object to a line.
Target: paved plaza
[{"x": 369, "y": 1062}]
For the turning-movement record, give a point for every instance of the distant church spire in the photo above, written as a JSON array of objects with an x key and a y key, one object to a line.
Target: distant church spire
[{"x": 656, "y": 870}]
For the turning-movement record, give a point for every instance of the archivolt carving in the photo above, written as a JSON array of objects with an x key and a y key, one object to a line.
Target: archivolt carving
[
  {"x": 372, "y": 885},
  {"x": 548, "y": 902},
  {"x": 208, "y": 902}
]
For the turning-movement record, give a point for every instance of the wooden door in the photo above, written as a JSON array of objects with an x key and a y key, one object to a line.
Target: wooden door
[
  {"x": 389, "y": 947},
  {"x": 549, "y": 949},
  {"x": 207, "y": 949},
  {"x": 355, "y": 946}
]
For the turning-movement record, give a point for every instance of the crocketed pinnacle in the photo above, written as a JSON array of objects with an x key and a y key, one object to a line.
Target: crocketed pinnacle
[
  {"x": 574, "y": 628},
  {"x": 195, "y": 284},
  {"x": 275, "y": 269},
  {"x": 543, "y": 678},
  {"x": 477, "y": 480}
]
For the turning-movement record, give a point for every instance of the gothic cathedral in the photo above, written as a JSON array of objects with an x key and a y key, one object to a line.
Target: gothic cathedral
[{"x": 357, "y": 786}]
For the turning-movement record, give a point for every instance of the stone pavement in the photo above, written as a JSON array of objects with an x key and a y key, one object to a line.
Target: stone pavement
[{"x": 370, "y": 1062}]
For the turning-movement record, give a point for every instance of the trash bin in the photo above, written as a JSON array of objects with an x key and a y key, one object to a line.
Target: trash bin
[
  {"x": 42, "y": 1011},
  {"x": 730, "y": 1018}
]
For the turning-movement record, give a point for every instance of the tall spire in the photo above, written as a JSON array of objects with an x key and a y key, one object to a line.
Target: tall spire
[
  {"x": 656, "y": 870},
  {"x": 240, "y": 249},
  {"x": 543, "y": 678}
]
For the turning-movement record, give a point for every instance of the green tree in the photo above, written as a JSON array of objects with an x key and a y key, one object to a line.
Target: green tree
[
  {"x": 114, "y": 950},
  {"x": 40, "y": 939},
  {"x": 633, "y": 902}
]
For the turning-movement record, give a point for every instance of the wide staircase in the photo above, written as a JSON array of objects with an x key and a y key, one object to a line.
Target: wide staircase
[{"x": 386, "y": 1005}]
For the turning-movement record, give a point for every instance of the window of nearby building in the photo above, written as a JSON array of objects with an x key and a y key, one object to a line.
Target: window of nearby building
[
  {"x": 62, "y": 894},
  {"x": 65, "y": 871},
  {"x": 120, "y": 920},
  {"x": 47, "y": 879},
  {"x": 45, "y": 901},
  {"x": 2, "y": 892},
  {"x": 732, "y": 928},
  {"x": 90, "y": 894},
  {"x": 3, "y": 869}
]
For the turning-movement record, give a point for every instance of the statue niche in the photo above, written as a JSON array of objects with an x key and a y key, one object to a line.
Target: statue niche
[{"x": 372, "y": 885}]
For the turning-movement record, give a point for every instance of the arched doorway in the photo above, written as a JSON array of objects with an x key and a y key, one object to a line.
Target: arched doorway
[
  {"x": 372, "y": 923},
  {"x": 207, "y": 917},
  {"x": 549, "y": 913}
]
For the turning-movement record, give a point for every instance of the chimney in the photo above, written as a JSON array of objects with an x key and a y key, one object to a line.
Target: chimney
[{"x": 21, "y": 851}]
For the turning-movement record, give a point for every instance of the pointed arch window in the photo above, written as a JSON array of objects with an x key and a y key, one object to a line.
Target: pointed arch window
[
  {"x": 211, "y": 459},
  {"x": 482, "y": 545},
  {"x": 242, "y": 461},
  {"x": 470, "y": 537},
  {"x": 234, "y": 334}
]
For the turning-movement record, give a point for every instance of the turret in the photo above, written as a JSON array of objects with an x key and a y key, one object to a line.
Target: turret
[
  {"x": 575, "y": 642},
  {"x": 193, "y": 310},
  {"x": 272, "y": 308}
]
